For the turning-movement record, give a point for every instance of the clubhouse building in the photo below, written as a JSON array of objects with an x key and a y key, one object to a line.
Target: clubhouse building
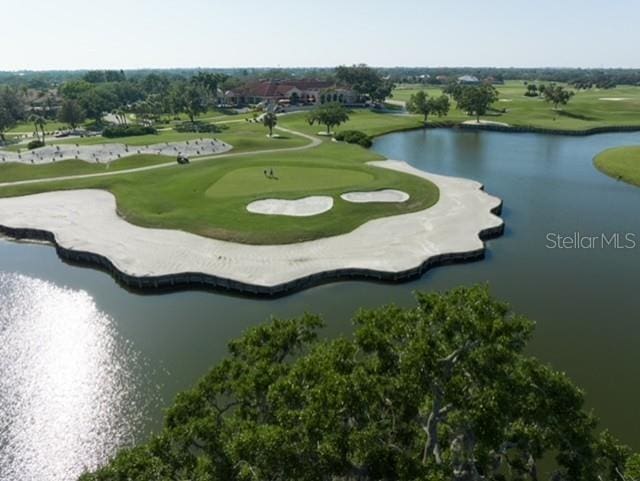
[{"x": 290, "y": 92}]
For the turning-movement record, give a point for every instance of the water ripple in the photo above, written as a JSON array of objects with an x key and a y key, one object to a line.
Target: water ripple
[{"x": 70, "y": 391}]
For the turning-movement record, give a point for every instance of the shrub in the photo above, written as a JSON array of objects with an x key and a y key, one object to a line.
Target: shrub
[
  {"x": 127, "y": 131},
  {"x": 354, "y": 137},
  {"x": 197, "y": 126},
  {"x": 34, "y": 144}
]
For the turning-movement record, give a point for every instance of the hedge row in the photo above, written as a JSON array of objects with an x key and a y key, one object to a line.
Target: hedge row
[
  {"x": 354, "y": 137},
  {"x": 127, "y": 131}
]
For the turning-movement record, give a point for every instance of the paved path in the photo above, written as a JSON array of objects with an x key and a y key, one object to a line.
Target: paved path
[
  {"x": 313, "y": 142},
  {"x": 105, "y": 153}
]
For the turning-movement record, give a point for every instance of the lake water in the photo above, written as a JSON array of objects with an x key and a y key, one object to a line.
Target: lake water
[{"x": 86, "y": 366}]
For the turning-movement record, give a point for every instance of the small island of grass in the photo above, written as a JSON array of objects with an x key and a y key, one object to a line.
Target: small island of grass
[{"x": 622, "y": 163}]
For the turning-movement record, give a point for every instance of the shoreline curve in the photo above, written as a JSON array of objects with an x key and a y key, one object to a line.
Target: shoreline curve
[{"x": 448, "y": 232}]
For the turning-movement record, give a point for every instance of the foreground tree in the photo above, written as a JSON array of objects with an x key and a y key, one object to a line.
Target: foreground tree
[
  {"x": 440, "y": 391},
  {"x": 421, "y": 103},
  {"x": 556, "y": 95},
  {"x": 71, "y": 113},
  {"x": 331, "y": 115},
  {"x": 476, "y": 100},
  {"x": 270, "y": 120}
]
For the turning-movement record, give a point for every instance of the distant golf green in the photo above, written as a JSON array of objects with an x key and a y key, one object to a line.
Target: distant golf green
[
  {"x": 252, "y": 181},
  {"x": 588, "y": 109},
  {"x": 621, "y": 163},
  {"x": 210, "y": 197}
]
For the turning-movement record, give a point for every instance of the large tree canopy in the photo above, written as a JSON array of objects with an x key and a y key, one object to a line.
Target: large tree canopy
[
  {"x": 475, "y": 100},
  {"x": 365, "y": 81},
  {"x": 11, "y": 109},
  {"x": 440, "y": 391},
  {"x": 329, "y": 115},
  {"x": 556, "y": 95},
  {"x": 189, "y": 98},
  {"x": 421, "y": 103},
  {"x": 71, "y": 113}
]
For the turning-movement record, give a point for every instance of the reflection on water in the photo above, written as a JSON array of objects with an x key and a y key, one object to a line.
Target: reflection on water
[{"x": 67, "y": 382}]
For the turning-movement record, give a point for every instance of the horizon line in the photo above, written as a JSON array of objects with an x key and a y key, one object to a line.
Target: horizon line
[{"x": 279, "y": 67}]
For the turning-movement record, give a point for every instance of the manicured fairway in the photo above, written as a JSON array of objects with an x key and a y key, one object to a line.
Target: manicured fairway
[
  {"x": 209, "y": 198},
  {"x": 586, "y": 110},
  {"x": 285, "y": 179},
  {"x": 621, "y": 163},
  {"x": 369, "y": 121}
]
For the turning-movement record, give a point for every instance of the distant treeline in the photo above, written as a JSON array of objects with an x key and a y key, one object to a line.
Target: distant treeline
[
  {"x": 49, "y": 78},
  {"x": 581, "y": 78}
]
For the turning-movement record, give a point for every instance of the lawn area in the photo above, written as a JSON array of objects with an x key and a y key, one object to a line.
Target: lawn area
[
  {"x": 13, "y": 171},
  {"x": 28, "y": 127},
  {"x": 252, "y": 181},
  {"x": 212, "y": 115},
  {"x": 622, "y": 163},
  {"x": 210, "y": 198},
  {"x": 369, "y": 121},
  {"x": 244, "y": 136},
  {"x": 586, "y": 110}
]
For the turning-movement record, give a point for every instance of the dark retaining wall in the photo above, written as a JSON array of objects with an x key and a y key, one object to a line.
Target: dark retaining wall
[
  {"x": 195, "y": 280},
  {"x": 514, "y": 129},
  {"x": 541, "y": 130}
]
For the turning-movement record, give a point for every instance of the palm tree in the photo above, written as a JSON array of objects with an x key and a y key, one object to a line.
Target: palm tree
[
  {"x": 121, "y": 116},
  {"x": 39, "y": 122},
  {"x": 270, "y": 120}
]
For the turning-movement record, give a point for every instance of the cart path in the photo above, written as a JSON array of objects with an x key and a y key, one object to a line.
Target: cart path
[{"x": 313, "y": 142}]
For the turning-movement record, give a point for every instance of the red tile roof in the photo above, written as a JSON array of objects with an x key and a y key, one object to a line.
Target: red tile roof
[{"x": 273, "y": 88}]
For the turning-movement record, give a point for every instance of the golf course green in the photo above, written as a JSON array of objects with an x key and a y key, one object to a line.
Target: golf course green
[
  {"x": 622, "y": 163},
  {"x": 210, "y": 197},
  {"x": 588, "y": 109}
]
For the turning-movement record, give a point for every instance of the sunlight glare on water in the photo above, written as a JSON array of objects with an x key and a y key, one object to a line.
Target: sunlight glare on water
[{"x": 67, "y": 383}]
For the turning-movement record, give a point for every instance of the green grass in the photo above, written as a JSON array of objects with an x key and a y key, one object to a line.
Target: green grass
[
  {"x": 622, "y": 163},
  {"x": 368, "y": 121},
  {"x": 28, "y": 127},
  {"x": 212, "y": 115},
  {"x": 585, "y": 110},
  {"x": 12, "y": 171},
  {"x": 210, "y": 197},
  {"x": 244, "y": 136},
  {"x": 251, "y": 181}
]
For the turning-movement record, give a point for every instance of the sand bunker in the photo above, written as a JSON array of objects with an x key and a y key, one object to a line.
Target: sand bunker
[
  {"x": 386, "y": 195},
  {"x": 105, "y": 153},
  {"x": 87, "y": 221},
  {"x": 484, "y": 122},
  {"x": 305, "y": 207},
  {"x": 614, "y": 99}
]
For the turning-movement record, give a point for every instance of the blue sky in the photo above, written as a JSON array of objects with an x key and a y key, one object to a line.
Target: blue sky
[{"x": 79, "y": 34}]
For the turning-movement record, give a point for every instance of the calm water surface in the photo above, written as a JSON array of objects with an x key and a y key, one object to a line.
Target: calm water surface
[{"x": 85, "y": 365}]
